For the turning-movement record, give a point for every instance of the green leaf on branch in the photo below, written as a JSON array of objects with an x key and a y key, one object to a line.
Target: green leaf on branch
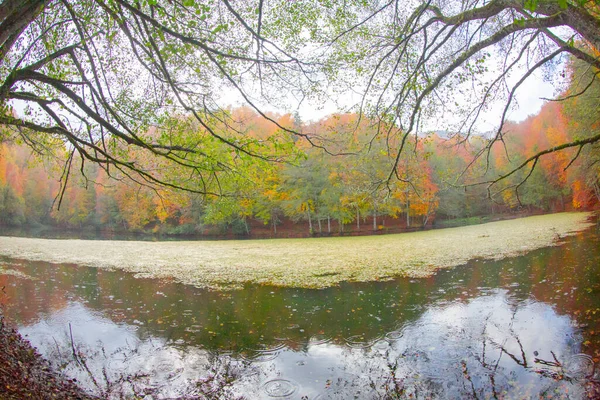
[{"x": 530, "y": 5}]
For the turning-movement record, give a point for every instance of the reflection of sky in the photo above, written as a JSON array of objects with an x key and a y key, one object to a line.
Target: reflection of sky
[
  {"x": 87, "y": 327},
  {"x": 447, "y": 345},
  {"x": 116, "y": 347}
]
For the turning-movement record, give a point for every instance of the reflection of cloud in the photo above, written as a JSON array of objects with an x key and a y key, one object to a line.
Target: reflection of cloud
[
  {"x": 116, "y": 349},
  {"x": 86, "y": 326},
  {"x": 493, "y": 336},
  {"x": 536, "y": 324},
  {"x": 487, "y": 344}
]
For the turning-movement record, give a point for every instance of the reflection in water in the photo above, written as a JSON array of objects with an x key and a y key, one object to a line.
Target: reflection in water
[
  {"x": 520, "y": 328},
  {"x": 483, "y": 347}
]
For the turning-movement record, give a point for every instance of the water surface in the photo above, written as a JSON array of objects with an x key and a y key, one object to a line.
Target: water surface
[{"x": 518, "y": 328}]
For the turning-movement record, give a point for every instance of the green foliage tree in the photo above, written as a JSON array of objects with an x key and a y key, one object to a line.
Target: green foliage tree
[
  {"x": 304, "y": 185},
  {"x": 11, "y": 207},
  {"x": 105, "y": 76},
  {"x": 101, "y": 78},
  {"x": 443, "y": 63}
]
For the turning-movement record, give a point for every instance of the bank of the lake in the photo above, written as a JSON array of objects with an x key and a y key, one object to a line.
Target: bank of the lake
[
  {"x": 25, "y": 374},
  {"x": 305, "y": 263}
]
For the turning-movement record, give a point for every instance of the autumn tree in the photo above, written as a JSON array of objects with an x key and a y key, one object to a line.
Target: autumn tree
[
  {"x": 441, "y": 65},
  {"x": 103, "y": 77},
  {"x": 581, "y": 108}
]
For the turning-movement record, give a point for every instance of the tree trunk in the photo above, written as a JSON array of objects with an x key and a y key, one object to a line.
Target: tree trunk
[
  {"x": 357, "y": 219},
  {"x": 310, "y": 227},
  {"x": 328, "y": 224},
  {"x": 320, "y": 227},
  {"x": 15, "y": 16},
  {"x": 575, "y": 17},
  {"x": 374, "y": 219},
  {"x": 429, "y": 213},
  {"x": 407, "y": 213}
]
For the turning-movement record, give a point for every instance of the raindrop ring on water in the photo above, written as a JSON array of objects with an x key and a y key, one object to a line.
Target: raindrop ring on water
[
  {"x": 280, "y": 388},
  {"x": 579, "y": 366}
]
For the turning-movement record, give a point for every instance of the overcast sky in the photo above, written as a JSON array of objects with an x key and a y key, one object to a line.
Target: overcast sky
[{"x": 529, "y": 102}]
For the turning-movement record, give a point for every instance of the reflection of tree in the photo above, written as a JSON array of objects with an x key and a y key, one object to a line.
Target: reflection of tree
[
  {"x": 17, "y": 300},
  {"x": 236, "y": 320},
  {"x": 496, "y": 356},
  {"x": 495, "y": 330},
  {"x": 222, "y": 374},
  {"x": 419, "y": 361},
  {"x": 554, "y": 370},
  {"x": 107, "y": 374}
]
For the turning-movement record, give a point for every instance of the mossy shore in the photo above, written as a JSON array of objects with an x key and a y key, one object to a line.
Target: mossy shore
[{"x": 315, "y": 263}]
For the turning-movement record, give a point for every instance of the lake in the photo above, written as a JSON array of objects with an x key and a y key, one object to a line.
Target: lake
[{"x": 521, "y": 327}]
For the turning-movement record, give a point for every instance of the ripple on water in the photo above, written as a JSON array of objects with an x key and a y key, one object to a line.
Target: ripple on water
[
  {"x": 269, "y": 348},
  {"x": 357, "y": 342},
  {"x": 280, "y": 388},
  {"x": 318, "y": 339},
  {"x": 446, "y": 351},
  {"x": 439, "y": 372},
  {"x": 422, "y": 336},
  {"x": 165, "y": 368},
  {"x": 349, "y": 388},
  {"x": 416, "y": 307},
  {"x": 424, "y": 365},
  {"x": 257, "y": 356},
  {"x": 393, "y": 336},
  {"x": 381, "y": 345},
  {"x": 193, "y": 328},
  {"x": 510, "y": 300},
  {"x": 166, "y": 372},
  {"x": 219, "y": 352},
  {"x": 119, "y": 363},
  {"x": 579, "y": 366}
]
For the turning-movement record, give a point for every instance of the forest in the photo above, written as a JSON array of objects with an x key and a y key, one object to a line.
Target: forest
[
  {"x": 125, "y": 120},
  {"x": 341, "y": 188}
]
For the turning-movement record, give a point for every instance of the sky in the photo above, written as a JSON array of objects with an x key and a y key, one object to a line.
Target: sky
[
  {"x": 529, "y": 102},
  {"x": 529, "y": 99}
]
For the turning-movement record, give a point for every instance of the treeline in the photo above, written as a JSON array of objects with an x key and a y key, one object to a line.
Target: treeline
[
  {"x": 324, "y": 191},
  {"x": 345, "y": 187}
]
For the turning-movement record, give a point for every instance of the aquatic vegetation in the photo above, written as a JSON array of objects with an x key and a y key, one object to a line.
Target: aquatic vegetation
[
  {"x": 9, "y": 271},
  {"x": 308, "y": 263}
]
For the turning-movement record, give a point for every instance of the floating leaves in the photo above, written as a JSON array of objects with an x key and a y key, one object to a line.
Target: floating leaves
[
  {"x": 14, "y": 272},
  {"x": 307, "y": 263}
]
